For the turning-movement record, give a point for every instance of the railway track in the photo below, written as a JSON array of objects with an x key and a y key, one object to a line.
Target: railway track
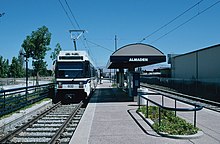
[
  {"x": 215, "y": 106},
  {"x": 55, "y": 125}
]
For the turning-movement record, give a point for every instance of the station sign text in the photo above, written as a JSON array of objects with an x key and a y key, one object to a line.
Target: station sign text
[{"x": 138, "y": 59}]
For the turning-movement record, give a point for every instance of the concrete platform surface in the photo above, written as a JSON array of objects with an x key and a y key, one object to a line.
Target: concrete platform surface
[{"x": 111, "y": 118}]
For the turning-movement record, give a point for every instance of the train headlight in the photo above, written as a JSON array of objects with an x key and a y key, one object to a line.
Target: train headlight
[
  {"x": 80, "y": 84},
  {"x": 59, "y": 85}
]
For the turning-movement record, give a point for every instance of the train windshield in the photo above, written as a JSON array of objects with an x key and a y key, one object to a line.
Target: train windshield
[{"x": 70, "y": 70}]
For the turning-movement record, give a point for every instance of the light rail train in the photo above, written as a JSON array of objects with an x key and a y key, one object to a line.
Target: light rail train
[{"x": 76, "y": 76}]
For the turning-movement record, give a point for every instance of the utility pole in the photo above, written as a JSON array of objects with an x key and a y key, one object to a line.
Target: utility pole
[
  {"x": 115, "y": 50},
  {"x": 116, "y": 42},
  {"x": 76, "y": 37}
]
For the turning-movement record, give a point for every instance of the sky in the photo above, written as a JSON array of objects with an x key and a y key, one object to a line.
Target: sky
[{"x": 130, "y": 20}]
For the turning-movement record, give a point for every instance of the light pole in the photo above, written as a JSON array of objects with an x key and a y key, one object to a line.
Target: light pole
[
  {"x": 26, "y": 61},
  {"x": 100, "y": 75},
  {"x": 26, "y": 67}
]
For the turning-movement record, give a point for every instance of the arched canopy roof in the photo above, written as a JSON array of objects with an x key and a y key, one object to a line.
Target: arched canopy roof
[{"x": 135, "y": 55}]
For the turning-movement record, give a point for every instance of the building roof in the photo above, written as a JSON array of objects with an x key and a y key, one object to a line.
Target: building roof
[
  {"x": 202, "y": 49},
  {"x": 135, "y": 55}
]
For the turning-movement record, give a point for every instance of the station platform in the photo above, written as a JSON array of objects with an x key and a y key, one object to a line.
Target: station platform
[{"x": 111, "y": 118}]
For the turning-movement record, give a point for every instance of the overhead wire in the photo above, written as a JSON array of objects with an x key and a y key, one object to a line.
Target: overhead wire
[
  {"x": 199, "y": 13},
  {"x": 171, "y": 21},
  {"x": 70, "y": 18},
  {"x": 72, "y": 21},
  {"x": 84, "y": 38},
  {"x": 100, "y": 46},
  {"x": 71, "y": 12},
  {"x": 66, "y": 14}
]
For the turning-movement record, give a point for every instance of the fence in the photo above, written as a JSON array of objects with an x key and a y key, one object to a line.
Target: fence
[
  {"x": 195, "y": 108},
  {"x": 206, "y": 90},
  {"x": 14, "y": 99}
]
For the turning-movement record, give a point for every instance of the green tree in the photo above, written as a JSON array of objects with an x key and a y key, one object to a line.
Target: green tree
[
  {"x": 16, "y": 70},
  {"x": 1, "y": 67},
  {"x": 4, "y": 67},
  {"x": 41, "y": 66},
  {"x": 56, "y": 51},
  {"x": 36, "y": 46},
  {"x": 13, "y": 70}
]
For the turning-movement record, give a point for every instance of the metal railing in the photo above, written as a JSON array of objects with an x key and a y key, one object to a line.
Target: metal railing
[
  {"x": 195, "y": 107},
  {"x": 14, "y": 99},
  {"x": 205, "y": 88}
]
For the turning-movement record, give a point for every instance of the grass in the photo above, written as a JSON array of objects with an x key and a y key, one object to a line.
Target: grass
[
  {"x": 29, "y": 106},
  {"x": 24, "y": 108},
  {"x": 170, "y": 123},
  {"x": 114, "y": 85}
]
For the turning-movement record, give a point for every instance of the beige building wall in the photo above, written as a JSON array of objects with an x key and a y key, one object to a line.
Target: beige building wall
[
  {"x": 203, "y": 65},
  {"x": 209, "y": 63}
]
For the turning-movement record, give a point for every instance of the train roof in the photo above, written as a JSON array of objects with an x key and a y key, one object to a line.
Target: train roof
[
  {"x": 74, "y": 56},
  {"x": 69, "y": 53}
]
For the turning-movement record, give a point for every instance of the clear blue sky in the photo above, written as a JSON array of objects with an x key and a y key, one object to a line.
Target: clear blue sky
[{"x": 130, "y": 20}]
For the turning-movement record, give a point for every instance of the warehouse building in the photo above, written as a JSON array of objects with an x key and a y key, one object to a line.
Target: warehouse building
[{"x": 201, "y": 65}]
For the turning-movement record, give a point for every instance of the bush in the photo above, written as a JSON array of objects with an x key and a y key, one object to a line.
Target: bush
[{"x": 170, "y": 123}]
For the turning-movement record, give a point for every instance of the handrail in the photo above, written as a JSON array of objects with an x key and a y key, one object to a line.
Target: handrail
[
  {"x": 161, "y": 106},
  {"x": 13, "y": 99},
  {"x": 198, "y": 107},
  {"x": 21, "y": 88}
]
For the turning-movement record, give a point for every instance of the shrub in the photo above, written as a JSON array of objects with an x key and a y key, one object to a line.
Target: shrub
[{"x": 170, "y": 123}]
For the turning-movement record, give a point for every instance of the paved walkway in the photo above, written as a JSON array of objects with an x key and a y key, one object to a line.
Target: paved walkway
[{"x": 111, "y": 118}]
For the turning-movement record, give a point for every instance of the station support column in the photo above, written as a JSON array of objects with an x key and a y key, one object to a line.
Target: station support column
[
  {"x": 136, "y": 83},
  {"x": 121, "y": 78},
  {"x": 130, "y": 81}
]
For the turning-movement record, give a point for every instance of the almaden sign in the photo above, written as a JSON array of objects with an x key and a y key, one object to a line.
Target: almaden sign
[
  {"x": 135, "y": 55},
  {"x": 138, "y": 59}
]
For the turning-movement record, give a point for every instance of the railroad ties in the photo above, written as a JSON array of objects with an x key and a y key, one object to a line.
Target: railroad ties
[{"x": 57, "y": 125}]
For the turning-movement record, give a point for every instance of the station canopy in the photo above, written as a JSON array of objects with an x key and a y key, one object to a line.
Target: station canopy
[{"x": 135, "y": 55}]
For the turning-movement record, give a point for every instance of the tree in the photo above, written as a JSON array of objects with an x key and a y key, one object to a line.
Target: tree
[
  {"x": 40, "y": 66},
  {"x": 4, "y": 67},
  {"x": 54, "y": 54},
  {"x": 16, "y": 69},
  {"x": 1, "y": 67},
  {"x": 36, "y": 46},
  {"x": 13, "y": 70},
  {"x": 56, "y": 51},
  {"x": 2, "y": 14}
]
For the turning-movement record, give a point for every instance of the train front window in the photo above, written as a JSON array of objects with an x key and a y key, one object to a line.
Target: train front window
[
  {"x": 70, "y": 70},
  {"x": 69, "y": 73}
]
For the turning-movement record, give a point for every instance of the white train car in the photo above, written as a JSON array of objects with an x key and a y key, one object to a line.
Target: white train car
[{"x": 76, "y": 76}]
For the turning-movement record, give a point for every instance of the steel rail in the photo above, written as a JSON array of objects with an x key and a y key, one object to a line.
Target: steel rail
[
  {"x": 9, "y": 136},
  {"x": 54, "y": 139}
]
